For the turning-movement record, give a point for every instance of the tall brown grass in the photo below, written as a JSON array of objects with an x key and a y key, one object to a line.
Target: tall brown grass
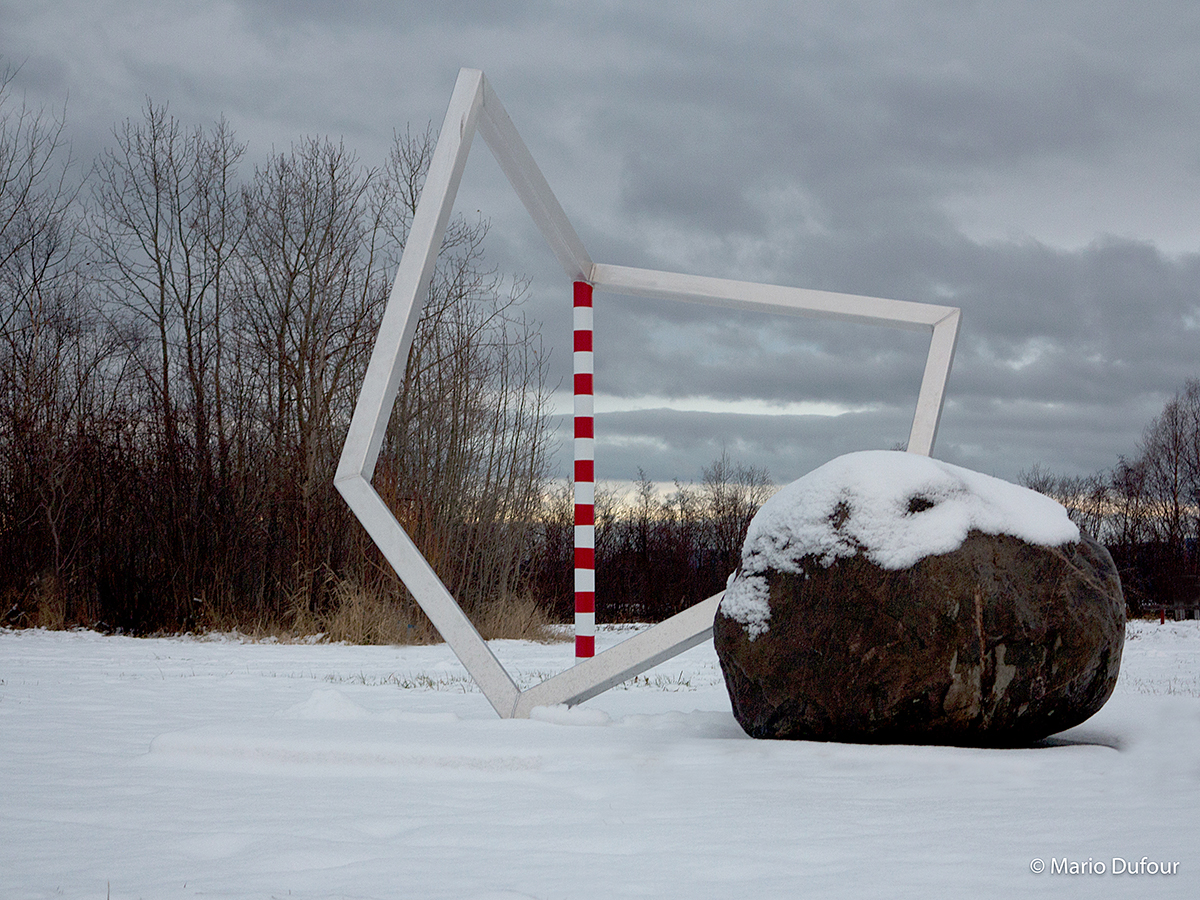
[{"x": 358, "y": 613}]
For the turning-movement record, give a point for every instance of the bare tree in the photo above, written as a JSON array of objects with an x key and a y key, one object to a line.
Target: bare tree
[
  {"x": 172, "y": 402},
  {"x": 465, "y": 456},
  {"x": 1087, "y": 498},
  {"x": 1129, "y": 516},
  {"x": 733, "y": 492},
  {"x": 165, "y": 231},
  {"x": 1169, "y": 450},
  {"x": 51, "y": 353},
  {"x": 309, "y": 292}
]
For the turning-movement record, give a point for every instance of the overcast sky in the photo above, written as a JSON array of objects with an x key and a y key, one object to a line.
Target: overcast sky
[{"x": 1035, "y": 163}]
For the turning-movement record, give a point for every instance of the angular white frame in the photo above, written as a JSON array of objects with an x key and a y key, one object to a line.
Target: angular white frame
[{"x": 474, "y": 106}]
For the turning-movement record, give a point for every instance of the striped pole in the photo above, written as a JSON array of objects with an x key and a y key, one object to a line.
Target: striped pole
[{"x": 585, "y": 478}]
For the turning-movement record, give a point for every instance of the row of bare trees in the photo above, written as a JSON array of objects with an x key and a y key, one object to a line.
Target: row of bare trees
[
  {"x": 1146, "y": 509},
  {"x": 181, "y": 345},
  {"x": 655, "y": 554}
]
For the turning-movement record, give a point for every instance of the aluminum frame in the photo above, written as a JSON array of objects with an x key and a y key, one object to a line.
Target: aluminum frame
[{"x": 475, "y": 107}]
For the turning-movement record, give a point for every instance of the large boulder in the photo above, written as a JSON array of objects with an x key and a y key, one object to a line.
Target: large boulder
[{"x": 889, "y": 597}]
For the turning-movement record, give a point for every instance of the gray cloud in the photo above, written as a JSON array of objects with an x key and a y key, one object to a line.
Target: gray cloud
[{"x": 1035, "y": 164}]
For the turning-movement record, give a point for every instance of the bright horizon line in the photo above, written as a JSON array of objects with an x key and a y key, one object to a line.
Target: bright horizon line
[{"x": 562, "y": 404}]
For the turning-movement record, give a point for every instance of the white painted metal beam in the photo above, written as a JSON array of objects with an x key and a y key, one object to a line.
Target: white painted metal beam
[
  {"x": 942, "y": 321},
  {"x": 410, "y": 290},
  {"x": 472, "y": 105},
  {"x": 590, "y": 677},
  {"x": 932, "y": 396},
  {"x": 531, "y": 186},
  {"x": 429, "y": 592},
  {"x": 769, "y": 297},
  {"x": 378, "y": 394}
]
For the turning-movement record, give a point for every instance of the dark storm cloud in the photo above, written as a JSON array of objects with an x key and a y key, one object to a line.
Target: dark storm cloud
[
  {"x": 672, "y": 445},
  {"x": 878, "y": 114},
  {"x": 772, "y": 358},
  {"x": 1036, "y": 164}
]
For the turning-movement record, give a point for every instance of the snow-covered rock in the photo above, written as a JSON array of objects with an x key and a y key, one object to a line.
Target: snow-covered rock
[{"x": 891, "y": 597}]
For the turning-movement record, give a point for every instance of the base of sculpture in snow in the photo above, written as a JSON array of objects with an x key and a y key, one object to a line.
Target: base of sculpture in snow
[{"x": 889, "y": 597}]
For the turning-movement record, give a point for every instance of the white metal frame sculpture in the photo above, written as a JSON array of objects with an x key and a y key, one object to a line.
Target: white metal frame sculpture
[{"x": 474, "y": 106}]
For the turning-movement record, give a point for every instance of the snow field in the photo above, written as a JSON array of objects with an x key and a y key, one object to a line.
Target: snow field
[{"x": 170, "y": 768}]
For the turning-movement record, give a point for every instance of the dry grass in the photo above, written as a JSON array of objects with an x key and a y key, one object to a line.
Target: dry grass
[
  {"x": 385, "y": 614},
  {"x": 357, "y": 614},
  {"x": 371, "y": 615},
  {"x": 368, "y": 615},
  {"x": 43, "y": 605},
  {"x": 50, "y": 603},
  {"x": 516, "y": 618}
]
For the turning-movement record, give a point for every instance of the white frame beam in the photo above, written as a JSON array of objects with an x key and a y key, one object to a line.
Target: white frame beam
[{"x": 474, "y": 106}]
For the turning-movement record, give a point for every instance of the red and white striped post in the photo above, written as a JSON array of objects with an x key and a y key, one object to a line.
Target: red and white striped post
[{"x": 585, "y": 478}]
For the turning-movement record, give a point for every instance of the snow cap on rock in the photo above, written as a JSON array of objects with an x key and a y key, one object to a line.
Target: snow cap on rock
[{"x": 896, "y": 508}]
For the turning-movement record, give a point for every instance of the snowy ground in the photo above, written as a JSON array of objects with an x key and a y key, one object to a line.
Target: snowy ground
[{"x": 214, "y": 768}]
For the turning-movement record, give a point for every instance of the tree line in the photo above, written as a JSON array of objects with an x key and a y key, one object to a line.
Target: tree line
[
  {"x": 182, "y": 338},
  {"x": 181, "y": 345},
  {"x": 1146, "y": 508},
  {"x": 656, "y": 554}
]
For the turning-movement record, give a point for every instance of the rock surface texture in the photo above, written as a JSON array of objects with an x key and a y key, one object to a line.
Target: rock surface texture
[{"x": 888, "y": 597}]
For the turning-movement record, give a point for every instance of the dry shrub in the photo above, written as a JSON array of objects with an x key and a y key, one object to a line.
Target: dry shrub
[
  {"x": 15, "y": 609},
  {"x": 227, "y": 616},
  {"x": 363, "y": 614},
  {"x": 358, "y": 613},
  {"x": 515, "y": 618},
  {"x": 49, "y": 602},
  {"x": 368, "y": 614},
  {"x": 218, "y": 616}
]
